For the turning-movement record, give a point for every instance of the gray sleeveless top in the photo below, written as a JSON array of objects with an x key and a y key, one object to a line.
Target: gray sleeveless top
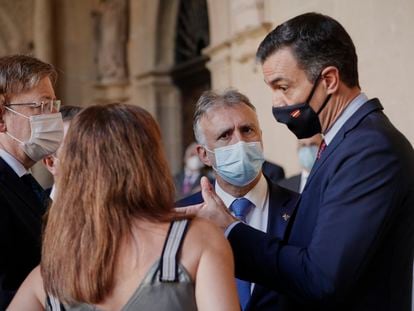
[{"x": 166, "y": 286}]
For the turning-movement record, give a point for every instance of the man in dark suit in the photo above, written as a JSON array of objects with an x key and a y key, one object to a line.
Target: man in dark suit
[
  {"x": 230, "y": 140},
  {"x": 350, "y": 244},
  {"x": 307, "y": 152},
  {"x": 30, "y": 128},
  {"x": 273, "y": 171}
]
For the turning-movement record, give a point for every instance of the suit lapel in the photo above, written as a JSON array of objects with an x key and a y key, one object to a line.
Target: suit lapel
[
  {"x": 362, "y": 112},
  {"x": 281, "y": 207}
]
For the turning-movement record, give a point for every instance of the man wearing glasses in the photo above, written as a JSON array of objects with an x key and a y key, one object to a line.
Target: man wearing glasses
[{"x": 31, "y": 127}]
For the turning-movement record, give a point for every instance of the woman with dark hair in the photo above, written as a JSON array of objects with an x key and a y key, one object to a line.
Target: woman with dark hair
[{"x": 110, "y": 242}]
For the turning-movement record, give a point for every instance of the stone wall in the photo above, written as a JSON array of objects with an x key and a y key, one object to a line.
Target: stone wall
[{"x": 64, "y": 32}]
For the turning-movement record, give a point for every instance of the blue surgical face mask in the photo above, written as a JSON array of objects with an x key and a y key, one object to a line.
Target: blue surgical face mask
[
  {"x": 307, "y": 156},
  {"x": 239, "y": 164}
]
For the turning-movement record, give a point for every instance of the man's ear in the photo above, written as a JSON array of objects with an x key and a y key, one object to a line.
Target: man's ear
[
  {"x": 202, "y": 154},
  {"x": 49, "y": 162},
  {"x": 331, "y": 79}
]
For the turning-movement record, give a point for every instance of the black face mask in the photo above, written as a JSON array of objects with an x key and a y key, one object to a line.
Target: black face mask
[{"x": 300, "y": 118}]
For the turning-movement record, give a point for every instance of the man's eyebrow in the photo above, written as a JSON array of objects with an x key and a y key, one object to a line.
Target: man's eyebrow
[
  {"x": 222, "y": 131},
  {"x": 247, "y": 124},
  {"x": 276, "y": 80},
  {"x": 45, "y": 97}
]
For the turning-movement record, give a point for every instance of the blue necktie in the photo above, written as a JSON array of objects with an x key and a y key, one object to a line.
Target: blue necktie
[{"x": 241, "y": 207}]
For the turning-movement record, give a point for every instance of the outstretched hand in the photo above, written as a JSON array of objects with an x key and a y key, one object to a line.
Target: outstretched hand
[{"x": 212, "y": 208}]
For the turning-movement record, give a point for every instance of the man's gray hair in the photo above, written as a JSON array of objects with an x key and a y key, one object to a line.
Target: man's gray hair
[
  {"x": 210, "y": 99},
  {"x": 19, "y": 73}
]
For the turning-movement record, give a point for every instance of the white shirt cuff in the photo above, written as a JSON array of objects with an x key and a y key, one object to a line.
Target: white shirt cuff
[{"x": 230, "y": 227}]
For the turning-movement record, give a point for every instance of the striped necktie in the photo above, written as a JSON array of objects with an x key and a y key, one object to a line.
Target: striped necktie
[{"x": 322, "y": 148}]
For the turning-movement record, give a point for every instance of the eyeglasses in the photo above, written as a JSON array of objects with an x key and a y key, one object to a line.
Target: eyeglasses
[{"x": 50, "y": 105}]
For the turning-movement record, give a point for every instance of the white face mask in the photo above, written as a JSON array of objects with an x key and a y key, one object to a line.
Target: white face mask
[
  {"x": 193, "y": 163},
  {"x": 46, "y": 135},
  {"x": 239, "y": 164}
]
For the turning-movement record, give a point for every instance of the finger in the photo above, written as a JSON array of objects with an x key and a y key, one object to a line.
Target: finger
[
  {"x": 190, "y": 210},
  {"x": 205, "y": 184},
  {"x": 207, "y": 190}
]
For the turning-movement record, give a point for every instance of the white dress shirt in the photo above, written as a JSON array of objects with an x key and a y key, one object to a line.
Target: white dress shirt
[
  {"x": 259, "y": 196},
  {"x": 303, "y": 178}
]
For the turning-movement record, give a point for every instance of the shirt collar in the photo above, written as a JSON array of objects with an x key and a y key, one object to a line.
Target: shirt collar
[
  {"x": 353, "y": 106},
  {"x": 15, "y": 165},
  {"x": 257, "y": 195},
  {"x": 53, "y": 192},
  {"x": 305, "y": 174}
]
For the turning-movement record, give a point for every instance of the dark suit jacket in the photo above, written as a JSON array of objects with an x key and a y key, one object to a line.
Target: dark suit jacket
[
  {"x": 20, "y": 229},
  {"x": 281, "y": 203},
  {"x": 273, "y": 171},
  {"x": 292, "y": 183},
  {"x": 350, "y": 246}
]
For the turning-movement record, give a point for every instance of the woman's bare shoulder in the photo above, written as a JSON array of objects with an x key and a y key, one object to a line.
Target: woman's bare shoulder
[{"x": 205, "y": 233}]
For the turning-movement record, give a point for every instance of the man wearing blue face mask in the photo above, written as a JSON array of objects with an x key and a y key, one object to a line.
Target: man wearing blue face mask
[
  {"x": 230, "y": 141},
  {"x": 31, "y": 127},
  {"x": 307, "y": 153}
]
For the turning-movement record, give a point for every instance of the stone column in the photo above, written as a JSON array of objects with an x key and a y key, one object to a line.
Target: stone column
[
  {"x": 43, "y": 49},
  {"x": 43, "y": 30},
  {"x": 158, "y": 95}
]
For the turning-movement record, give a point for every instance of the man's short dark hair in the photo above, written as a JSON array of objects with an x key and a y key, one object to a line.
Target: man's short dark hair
[
  {"x": 68, "y": 112},
  {"x": 316, "y": 41}
]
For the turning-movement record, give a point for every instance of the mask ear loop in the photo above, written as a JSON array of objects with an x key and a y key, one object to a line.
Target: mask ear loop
[
  {"x": 324, "y": 103},
  {"x": 205, "y": 147},
  {"x": 19, "y": 114},
  {"x": 313, "y": 88},
  {"x": 16, "y": 139}
]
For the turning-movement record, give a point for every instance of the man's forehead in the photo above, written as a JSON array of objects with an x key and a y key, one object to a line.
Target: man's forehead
[
  {"x": 41, "y": 91},
  {"x": 217, "y": 114},
  {"x": 218, "y": 119},
  {"x": 281, "y": 66}
]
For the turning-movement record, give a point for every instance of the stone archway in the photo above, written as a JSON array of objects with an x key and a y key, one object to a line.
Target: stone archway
[
  {"x": 189, "y": 73},
  {"x": 157, "y": 79}
]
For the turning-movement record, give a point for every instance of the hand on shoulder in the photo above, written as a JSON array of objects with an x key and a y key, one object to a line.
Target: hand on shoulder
[{"x": 212, "y": 208}]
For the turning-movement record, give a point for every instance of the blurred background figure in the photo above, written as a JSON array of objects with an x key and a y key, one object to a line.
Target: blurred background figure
[
  {"x": 51, "y": 162},
  {"x": 307, "y": 152},
  {"x": 188, "y": 180},
  {"x": 110, "y": 242}
]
